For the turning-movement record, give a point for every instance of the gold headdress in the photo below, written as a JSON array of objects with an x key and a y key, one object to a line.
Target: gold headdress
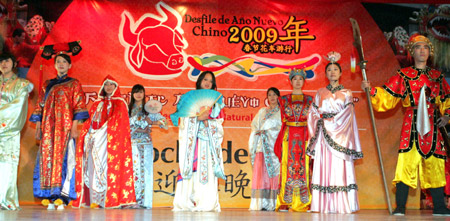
[{"x": 416, "y": 38}]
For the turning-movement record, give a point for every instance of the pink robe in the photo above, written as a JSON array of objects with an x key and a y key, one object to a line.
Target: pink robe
[{"x": 334, "y": 144}]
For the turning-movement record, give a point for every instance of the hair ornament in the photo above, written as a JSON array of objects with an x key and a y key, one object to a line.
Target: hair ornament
[
  {"x": 333, "y": 56},
  {"x": 294, "y": 72}
]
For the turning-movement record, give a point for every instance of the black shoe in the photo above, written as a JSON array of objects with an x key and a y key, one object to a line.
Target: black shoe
[
  {"x": 401, "y": 196},
  {"x": 441, "y": 212},
  {"x": 440, "y": 208},
  {"x": 399, "y": 212}
]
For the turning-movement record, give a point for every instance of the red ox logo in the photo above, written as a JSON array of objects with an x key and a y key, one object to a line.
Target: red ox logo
[{"x": 154, "y": 45}]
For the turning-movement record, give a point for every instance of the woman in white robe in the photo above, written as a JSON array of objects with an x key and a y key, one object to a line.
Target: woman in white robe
[
  {"x": 334, "y": 145},
  {"x": 200, "y": 154},
  {"x": 266, "y": 167}
]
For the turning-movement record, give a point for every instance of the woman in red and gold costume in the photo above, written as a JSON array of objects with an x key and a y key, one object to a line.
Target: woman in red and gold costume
[
  {"x": 290, "y": 147},
  {"x": 59, "y": 108},
  {"x": 104, "y": 170}
]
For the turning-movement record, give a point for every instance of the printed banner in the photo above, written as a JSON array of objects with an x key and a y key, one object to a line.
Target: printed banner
[{"x": 250, "y": 46}]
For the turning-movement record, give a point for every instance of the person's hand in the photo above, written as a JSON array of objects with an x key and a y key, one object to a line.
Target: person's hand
[
  {"x": 150, "y": 122},
  {"x": 442, "y": 121},
  {"x": 139, "y": 130},
  {"x": 74, "y": 131},
  {"x": 38, "y": 130},
  {"x": 149, "y": 131},
  {"x": 203, "y": 116},
  {"x": 365, "y": 84}
]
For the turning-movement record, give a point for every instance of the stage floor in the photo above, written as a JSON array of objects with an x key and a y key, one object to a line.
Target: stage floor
[{"x": 35, "y": 212}]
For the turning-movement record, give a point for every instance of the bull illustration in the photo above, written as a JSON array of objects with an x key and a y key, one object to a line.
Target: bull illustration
[{"x": 154, "y": 45}]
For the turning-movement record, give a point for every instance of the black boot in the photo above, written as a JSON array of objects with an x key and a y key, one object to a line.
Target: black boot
[
  {"x": 439, "y": 207},
  {"x": 401, "y": 195}
]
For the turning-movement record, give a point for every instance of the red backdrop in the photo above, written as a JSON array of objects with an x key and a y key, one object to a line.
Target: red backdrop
[{"x": 260, "y": 40}]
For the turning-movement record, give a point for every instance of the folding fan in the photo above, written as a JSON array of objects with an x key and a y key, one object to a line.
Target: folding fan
[{"x": 194, "y": 102}]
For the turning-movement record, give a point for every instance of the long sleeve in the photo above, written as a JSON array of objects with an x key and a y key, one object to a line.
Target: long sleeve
[
  {"x": 387, "y": 97},
  {"x": 79, "y": 106},
  {"x": 13, "y": 114},
  {"x": 13, "y": 111},
  {"x": 313, "y": 115},
  {"x": 253, "y": 141},
  {"x": 36, "y": 116},
  {"x": 444, "y": 98}
]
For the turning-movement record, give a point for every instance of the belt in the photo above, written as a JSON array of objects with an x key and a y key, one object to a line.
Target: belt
[
  {"x": 433, "y": 106},
  {"x": 297, "y": 124},
  {"x": 327, "y": 115}
]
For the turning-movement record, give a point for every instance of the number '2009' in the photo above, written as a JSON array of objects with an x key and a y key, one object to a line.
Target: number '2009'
[{"x": 247, "y": 35}]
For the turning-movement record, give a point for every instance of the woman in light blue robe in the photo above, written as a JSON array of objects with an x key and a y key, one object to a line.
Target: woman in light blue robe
[
  {"x": 13, "y": 110},
  {"x": 142, "y": 145}
]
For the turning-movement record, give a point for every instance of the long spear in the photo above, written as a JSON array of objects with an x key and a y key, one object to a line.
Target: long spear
[{"x": 362, "y": 64}]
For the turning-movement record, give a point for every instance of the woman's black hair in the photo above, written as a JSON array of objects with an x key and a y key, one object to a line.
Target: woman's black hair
[
  {"x": 65, "y": 56},
  {"x": 274, "y": 89},
  {"x": 337, "y": 64},
  {"x": 6, "y": 56},
  {"x": 17, "y": 32},
  {"x": 103, "y": 92},
  {"x": 200, "y": 78},
  {"x": 136, "y": 88}
]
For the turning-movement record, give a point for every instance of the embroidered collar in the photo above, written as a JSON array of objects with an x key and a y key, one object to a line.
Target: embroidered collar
[
  {"x": 275, "y": 109},
  {"x": 271, "y": 112},
  {"x": 61, "y": 77},
  {"x": 428, "y": 72},
  {"x": 333, "y": 90},
  {"x": 13, "y": 76},
  {"x": 55, "y": 81},
  {"x": 425, "y": 70}
]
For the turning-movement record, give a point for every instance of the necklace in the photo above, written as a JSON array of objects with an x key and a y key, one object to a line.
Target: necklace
[{"x": 334, "y": 89}]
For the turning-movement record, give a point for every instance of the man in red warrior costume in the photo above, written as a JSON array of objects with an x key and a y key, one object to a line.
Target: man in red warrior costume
[{"x": 421, "y": 149}]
